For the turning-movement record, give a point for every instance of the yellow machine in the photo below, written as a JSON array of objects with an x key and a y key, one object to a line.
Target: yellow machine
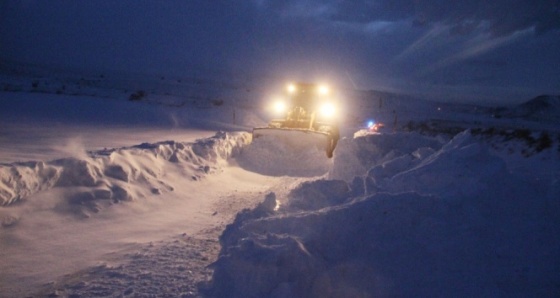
[{"x": 309, "y": 111}]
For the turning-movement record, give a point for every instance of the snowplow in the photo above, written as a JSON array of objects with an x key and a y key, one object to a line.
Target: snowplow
[{"x": 308, "y": 116}]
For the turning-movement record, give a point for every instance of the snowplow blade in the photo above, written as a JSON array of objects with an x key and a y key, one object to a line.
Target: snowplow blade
[{"x": 297, "y": 138}]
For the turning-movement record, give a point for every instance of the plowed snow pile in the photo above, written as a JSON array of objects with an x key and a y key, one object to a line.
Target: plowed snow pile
[
  {"x": 118, "y": 174},
  {"x": 408, "y": 216},
  {"x": 276, "y": 157}
]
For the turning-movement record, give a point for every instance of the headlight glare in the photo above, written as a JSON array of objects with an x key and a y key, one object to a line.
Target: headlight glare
[
  {"x": 323, "y": 90},
  {"x": 279, "y": 106},
  {"x": 327, "y": 110},
  {"x": 291, "y": 88}
]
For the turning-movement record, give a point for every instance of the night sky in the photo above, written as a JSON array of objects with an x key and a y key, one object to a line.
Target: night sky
[{"x": 475, "y": 51}]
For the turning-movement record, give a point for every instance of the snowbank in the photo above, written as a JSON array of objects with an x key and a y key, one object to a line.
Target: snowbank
[
  {"x": 355, "y": 156},
  {"x": 460, "y": 219},
  {"x": 294, "y": 156},
  {"x": 115, "y": 175}
]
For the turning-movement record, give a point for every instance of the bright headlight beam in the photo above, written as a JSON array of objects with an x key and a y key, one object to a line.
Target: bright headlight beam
[
  {"x": 327, "y": 109},
  {"x": 291, "y": 88},
  {"x": 279, "y": 106},
  {"x": 323, "y": 90}
]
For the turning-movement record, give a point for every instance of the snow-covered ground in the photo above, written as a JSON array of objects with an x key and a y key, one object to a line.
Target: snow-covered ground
[
  {"x": 457, "y": 218},
  {"x": 104, "y": 196}
]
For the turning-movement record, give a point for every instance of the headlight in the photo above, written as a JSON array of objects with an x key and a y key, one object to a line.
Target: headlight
[
  {"x": 323, "y": 90},
  {"x": 291, "y": 88},
  {"x": 327, "y": 110},
  {"x": 279, "y": 107}
]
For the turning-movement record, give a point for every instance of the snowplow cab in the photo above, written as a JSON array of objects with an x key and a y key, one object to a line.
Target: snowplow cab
[{"x": 305, "y": 109}]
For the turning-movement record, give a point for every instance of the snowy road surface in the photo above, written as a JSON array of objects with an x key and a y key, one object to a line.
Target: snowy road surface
[{"x": 46, "y": 246}]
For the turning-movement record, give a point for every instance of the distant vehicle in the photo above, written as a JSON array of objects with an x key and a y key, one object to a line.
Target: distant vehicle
[
  {"x": 308, "y": 110},
  {"x": 375, "y": 127},
  {"x": 371, "y": 128}
]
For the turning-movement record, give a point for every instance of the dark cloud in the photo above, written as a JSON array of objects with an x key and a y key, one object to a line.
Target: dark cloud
[
  {"x": 499, "y": 17},
  {"x": 365, "y": 11},
  {"x": 398, "y": 45}
]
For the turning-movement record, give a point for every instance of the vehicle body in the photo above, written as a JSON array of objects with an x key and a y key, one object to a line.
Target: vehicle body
[
  {"x": 375, "y": 126},
  {"x": 307, "y": 109}
]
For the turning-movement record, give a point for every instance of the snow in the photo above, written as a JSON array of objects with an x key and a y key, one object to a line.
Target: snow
[
  {"x": 113, "y": 172},
  {"x": 355, "y": 156},
  {"x": 456, "y": 222},
  {"x": 275, "y": 156},
  {"x": 103, "y": 196}
]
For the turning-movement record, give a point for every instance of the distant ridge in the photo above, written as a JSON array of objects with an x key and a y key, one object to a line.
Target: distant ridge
[
  {"x": 542, "y": 107},
  {"x": 541, "y": 103}
]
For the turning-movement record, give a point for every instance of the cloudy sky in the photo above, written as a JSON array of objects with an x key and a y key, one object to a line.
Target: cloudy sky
[{"x": 478, "y": 50}]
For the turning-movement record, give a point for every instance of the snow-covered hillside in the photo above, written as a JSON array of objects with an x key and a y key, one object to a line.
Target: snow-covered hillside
[
  {"x": 542, "y": 108},
  {"x": 115, "y": 197}
]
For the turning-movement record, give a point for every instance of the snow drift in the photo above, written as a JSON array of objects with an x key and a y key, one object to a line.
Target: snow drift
[
  {"x": 431, "y": 219},
  {"x": 355, "y": 156},
  {"x": 296, "y": 155},
  {"x": 114, "y": 175}
]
